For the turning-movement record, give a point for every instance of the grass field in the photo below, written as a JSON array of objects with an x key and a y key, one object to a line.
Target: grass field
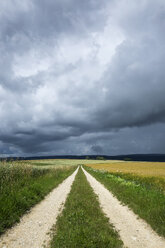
[
  {"x": 144, "y": 195},
  {"x": 22, "y": 186},
  {"x": 82, "y": 223},
  {"x": 61, "y": 162}
]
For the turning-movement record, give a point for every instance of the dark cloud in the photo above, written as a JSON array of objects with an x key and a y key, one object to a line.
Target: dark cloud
[
  {"x": 81, "y": 77},
  {"x": 97, "y": 149}
]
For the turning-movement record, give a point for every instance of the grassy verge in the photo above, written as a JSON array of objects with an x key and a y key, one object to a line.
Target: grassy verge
[
  {"x": 156, "y": 183},
  {"x": 82, "y": 223},
  {"x": 21, "y": 187},
  {"x": 139, "y": 193}
]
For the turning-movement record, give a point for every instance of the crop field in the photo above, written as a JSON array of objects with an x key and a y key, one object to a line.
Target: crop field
[{"x": 146, "y": 169}]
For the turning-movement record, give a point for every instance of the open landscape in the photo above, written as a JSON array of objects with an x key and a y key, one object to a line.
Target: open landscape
[
  {"x": 82, "y": 124},
  {"x": 27, "y": 204}
]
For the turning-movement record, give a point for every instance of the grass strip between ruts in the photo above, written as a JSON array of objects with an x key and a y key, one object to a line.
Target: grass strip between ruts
[
  {"x": 139, "y": 194},
  {"x": 82, "y": 222},
  {"x": 21, "y": 188}
]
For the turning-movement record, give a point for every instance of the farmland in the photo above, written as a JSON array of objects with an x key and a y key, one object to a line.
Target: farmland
[
  {"x": 145, "y": 169},
  {"x": 138, "y": 185}
]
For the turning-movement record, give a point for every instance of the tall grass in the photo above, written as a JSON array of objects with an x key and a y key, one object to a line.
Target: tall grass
[{"x": 22, "y": 186}]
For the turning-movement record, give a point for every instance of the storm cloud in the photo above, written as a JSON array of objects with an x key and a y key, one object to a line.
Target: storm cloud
[{"x": 82, "y": 77}]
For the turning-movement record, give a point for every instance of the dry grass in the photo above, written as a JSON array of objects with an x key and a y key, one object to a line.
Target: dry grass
[{"x": 146, "y": 169}]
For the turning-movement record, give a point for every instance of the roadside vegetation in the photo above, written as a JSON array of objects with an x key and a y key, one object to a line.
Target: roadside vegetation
[
  {"x": 22, "y": 186},
  {"x": 144, "y": 195},
  {"x": 82, "y": 222}
]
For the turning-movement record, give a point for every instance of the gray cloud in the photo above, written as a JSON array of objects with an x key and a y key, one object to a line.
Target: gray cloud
[{"x": 81, "y": 77}]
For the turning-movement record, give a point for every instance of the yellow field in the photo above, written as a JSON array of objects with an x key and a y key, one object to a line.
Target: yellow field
[{"x": 149, "y": 169}]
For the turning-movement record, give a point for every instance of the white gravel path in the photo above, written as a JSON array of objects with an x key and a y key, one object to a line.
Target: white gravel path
[
  {"x": 134, "y": 232},
  {"x": 33, "y": 229}
]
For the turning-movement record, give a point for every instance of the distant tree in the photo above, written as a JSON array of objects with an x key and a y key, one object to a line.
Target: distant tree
[
  {"x": 127, "y": 159},
  {"x": 100, "y": 158},
  {"x": 87, "y": 157}
]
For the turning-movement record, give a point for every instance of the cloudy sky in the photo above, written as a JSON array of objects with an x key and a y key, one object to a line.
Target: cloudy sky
[{"x": 82, "y": 77}]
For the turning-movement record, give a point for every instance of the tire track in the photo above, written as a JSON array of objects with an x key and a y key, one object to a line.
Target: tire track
[
  {"x": 134, "y": 232},
  {"x": 34, "y": 227}
]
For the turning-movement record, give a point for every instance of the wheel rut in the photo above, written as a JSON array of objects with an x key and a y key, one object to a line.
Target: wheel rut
[
  {"x": 35, "y": 227},
  {"x": 134, "y": 232}
]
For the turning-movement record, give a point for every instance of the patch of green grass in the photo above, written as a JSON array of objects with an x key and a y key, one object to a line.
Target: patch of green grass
[
  {"x": 142, "y": 195},
  {"x": 21, "y": 187},
  {"x": 40, "y": 164},
  {"x": 82, "y": 223},
  {"x": 148, "y": 182}
]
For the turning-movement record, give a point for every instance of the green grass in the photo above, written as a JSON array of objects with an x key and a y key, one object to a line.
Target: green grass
[
  {"x": 143, "y": 195},
  {"x": 23, "y": 186},
  {"x": 156, "y": 183},
  {"x": 82, "y": 223}
]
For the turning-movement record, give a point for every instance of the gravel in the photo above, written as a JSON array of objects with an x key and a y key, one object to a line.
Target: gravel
[
  {"x": 134, "y": 232},
  {"x": 34, "y": 229}
]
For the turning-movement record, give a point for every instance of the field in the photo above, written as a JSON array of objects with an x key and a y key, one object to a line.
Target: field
[
  {"x": 61, "y": 162},
  {"x": 139, "y": 185},
  {"x": 146, "y": 169}
]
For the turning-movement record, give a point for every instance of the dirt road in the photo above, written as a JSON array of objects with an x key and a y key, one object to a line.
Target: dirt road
[
  {"x": 134, "y": 232},
  {"x": 33, "y": 229}
]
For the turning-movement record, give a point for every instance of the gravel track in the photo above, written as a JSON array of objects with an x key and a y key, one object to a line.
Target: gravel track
[
  {"x": 134, "y": 232},
  {"x": 34, "y": 229}
]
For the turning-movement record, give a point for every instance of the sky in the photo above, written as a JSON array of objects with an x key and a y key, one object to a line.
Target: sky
[{"x": 82, "y": 77}]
